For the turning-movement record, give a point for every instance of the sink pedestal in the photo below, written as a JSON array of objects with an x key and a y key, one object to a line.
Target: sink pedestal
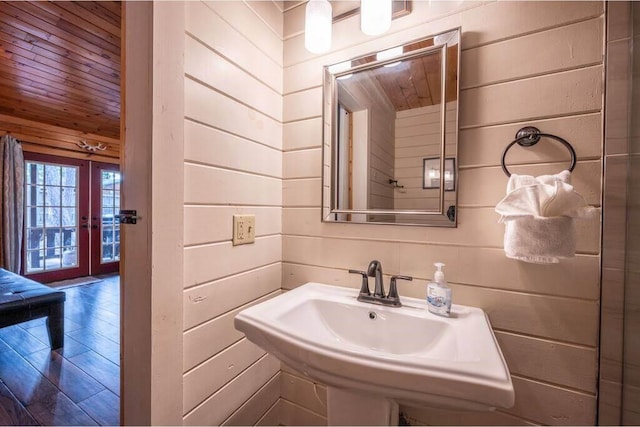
[{"x": 349, "y": 408}]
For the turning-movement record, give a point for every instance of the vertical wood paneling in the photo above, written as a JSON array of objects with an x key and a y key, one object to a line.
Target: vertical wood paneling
[
  {"x": 546, "y": 317},
  {"x": 233, "y": 164}
]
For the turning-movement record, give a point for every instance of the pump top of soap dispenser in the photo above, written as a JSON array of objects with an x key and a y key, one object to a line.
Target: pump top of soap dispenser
[{"x": 439, "y": 276}]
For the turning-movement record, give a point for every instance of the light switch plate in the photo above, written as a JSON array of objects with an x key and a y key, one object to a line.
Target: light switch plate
[{"x": 244, "y": 229}]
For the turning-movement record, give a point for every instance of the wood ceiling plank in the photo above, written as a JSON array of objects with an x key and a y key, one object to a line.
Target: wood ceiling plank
[
  {"x": 113, "y": 9},
  {"x": 420, "y": 82},
  {"x": 405, "y": 84},
  {"x": 29, "y": 89},
  {"x": 75, "y": 8},
  {"x": 77, "y": 80},
  {"x": 12, "y": 70},
  {"x": 433, "y": 70},
  {"x": 60, "y": 67},
  {"x": 56, "y": 62},
  {"x": 452, "y": 74},
  {"x": 79, "y": 27},
  {"x": 33, "y": 20},
  {"x": 388, "y": 80},
  {"x": 110, "y": 11},
  {"x": 37, "y": 36},
  {"x": 40, "y": 43},
  {"x": 62, "y": 57}
]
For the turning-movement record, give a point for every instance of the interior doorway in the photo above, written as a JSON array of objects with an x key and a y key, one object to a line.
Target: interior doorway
[{"x": 70, "y": 224}]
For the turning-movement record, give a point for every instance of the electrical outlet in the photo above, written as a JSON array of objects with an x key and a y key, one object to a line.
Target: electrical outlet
[{"x": 244, "y": 229}]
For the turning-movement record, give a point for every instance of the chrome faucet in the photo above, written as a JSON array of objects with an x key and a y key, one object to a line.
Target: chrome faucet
[
  {"x": 375, "y": 270},
  {"x": 379, "y": 297}
]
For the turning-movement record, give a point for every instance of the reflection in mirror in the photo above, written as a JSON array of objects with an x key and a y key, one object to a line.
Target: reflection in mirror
[{"x": 391, "y": 125}]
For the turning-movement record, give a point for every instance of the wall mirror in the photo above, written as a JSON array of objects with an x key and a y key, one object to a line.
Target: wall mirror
[{"x": 390, "y": 128}]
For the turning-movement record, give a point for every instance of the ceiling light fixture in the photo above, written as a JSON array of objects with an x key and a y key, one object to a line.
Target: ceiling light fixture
[
  {"x": 375, "y": 16},
  {"x": 317, "y": 26}
]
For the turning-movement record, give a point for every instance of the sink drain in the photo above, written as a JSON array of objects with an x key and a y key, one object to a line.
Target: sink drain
[{"x": 372, "y": 315}]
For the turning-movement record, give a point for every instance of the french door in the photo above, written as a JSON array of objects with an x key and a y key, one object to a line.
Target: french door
[{"x": 70, "y": 218}]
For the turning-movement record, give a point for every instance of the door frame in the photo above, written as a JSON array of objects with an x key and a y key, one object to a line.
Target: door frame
[{"x": 152, "y": 251}]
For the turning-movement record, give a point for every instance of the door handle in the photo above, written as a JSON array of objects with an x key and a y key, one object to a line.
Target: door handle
[
  {"x": 85, "y": 226},
  {"x": 94, "y": 227}
]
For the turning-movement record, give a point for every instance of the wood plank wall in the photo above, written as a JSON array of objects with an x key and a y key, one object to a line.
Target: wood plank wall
[
  {"x": 38, "y": 137},
  {"x": 418, "y": 137},
  {"x": 538, "y": 63},
  {"x": 232, "y": 164}
]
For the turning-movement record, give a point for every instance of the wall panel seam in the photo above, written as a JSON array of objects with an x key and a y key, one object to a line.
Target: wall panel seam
[
  {"x": 580, "y": 159},
  {"x": 275, "y": 376},
  {"x": 229, "y": 169},
  {"x": 225, "y": 385},
  {"x": 524, "y": 120},
  {"x": 267, "y": 24},
  {"x": 242, "y": 34},
  {"x": 226, "y": 131},
  {"x": 229, "y": 97},
  {"x": 303, "y": 407},
  {"x": 304, "y": 89},
  {"x": 314, "y": 178},
  {"x": 209, "y": 321},
  {"x": 536, "y": 31},
  {"x": 230, "y": 276},
  {"x": 392, "y": 240},
  {"x": 223, "y": 243},
  {"x": 188, "y": 371},
  {"x": 214, "y": 242},
  {"x": 219, "y": 168},
  {"x": 555, "y": 385},
  {"x": 301, "y": 119},
  {"x": 239, "y": 205},
  {"x": 230, "y": 61},
  {"x": 583, "y": 347},
  {"x": 532, "y": 76}
]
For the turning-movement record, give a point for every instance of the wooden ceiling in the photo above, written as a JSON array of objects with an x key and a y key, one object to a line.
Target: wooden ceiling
[
  {"x": 417, "y": 82},
  {"x": 60, "y": 64}
]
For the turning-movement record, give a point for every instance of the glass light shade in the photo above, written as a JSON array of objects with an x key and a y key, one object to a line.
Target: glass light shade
[
  {"x": 375, "y": 16},
  {"x": 317, "y": 26}
]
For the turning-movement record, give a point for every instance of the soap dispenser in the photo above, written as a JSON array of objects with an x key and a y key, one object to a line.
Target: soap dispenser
[{"x": 439, "y": 293}]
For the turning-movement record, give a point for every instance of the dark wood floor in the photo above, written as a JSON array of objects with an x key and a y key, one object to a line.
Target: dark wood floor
[{"x": 76, "y": 385}]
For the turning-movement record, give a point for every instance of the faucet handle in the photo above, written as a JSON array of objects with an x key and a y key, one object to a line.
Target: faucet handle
[
  {"x": 393, "y": 289},
  {"x": 364, "y": 287}
]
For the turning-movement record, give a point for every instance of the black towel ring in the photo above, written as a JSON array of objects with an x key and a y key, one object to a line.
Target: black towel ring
[{"x": 528, "y": 137}]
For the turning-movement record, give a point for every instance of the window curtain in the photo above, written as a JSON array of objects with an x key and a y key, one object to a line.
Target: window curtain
[{"x": 11, "y": 203}]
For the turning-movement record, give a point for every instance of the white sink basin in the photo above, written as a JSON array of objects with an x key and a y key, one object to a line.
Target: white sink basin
[{"x": 405, "y": 354}]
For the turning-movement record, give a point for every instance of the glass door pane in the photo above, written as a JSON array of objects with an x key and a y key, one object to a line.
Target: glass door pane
[
  {"x": 51, "y": 217},
  {"x": 110, "y": 189},
  {"x": 55, "y": 205},
  {"x": 105, "y": 228}
]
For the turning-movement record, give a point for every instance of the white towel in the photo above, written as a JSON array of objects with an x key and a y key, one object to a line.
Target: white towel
[{"x": 539, "y": 214}]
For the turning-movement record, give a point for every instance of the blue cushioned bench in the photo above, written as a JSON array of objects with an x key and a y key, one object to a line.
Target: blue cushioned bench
[{"x": 22, "y": 299}]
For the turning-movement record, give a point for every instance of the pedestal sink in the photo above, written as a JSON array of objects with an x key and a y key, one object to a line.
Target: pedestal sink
[{"x": 373, "y": 357}]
